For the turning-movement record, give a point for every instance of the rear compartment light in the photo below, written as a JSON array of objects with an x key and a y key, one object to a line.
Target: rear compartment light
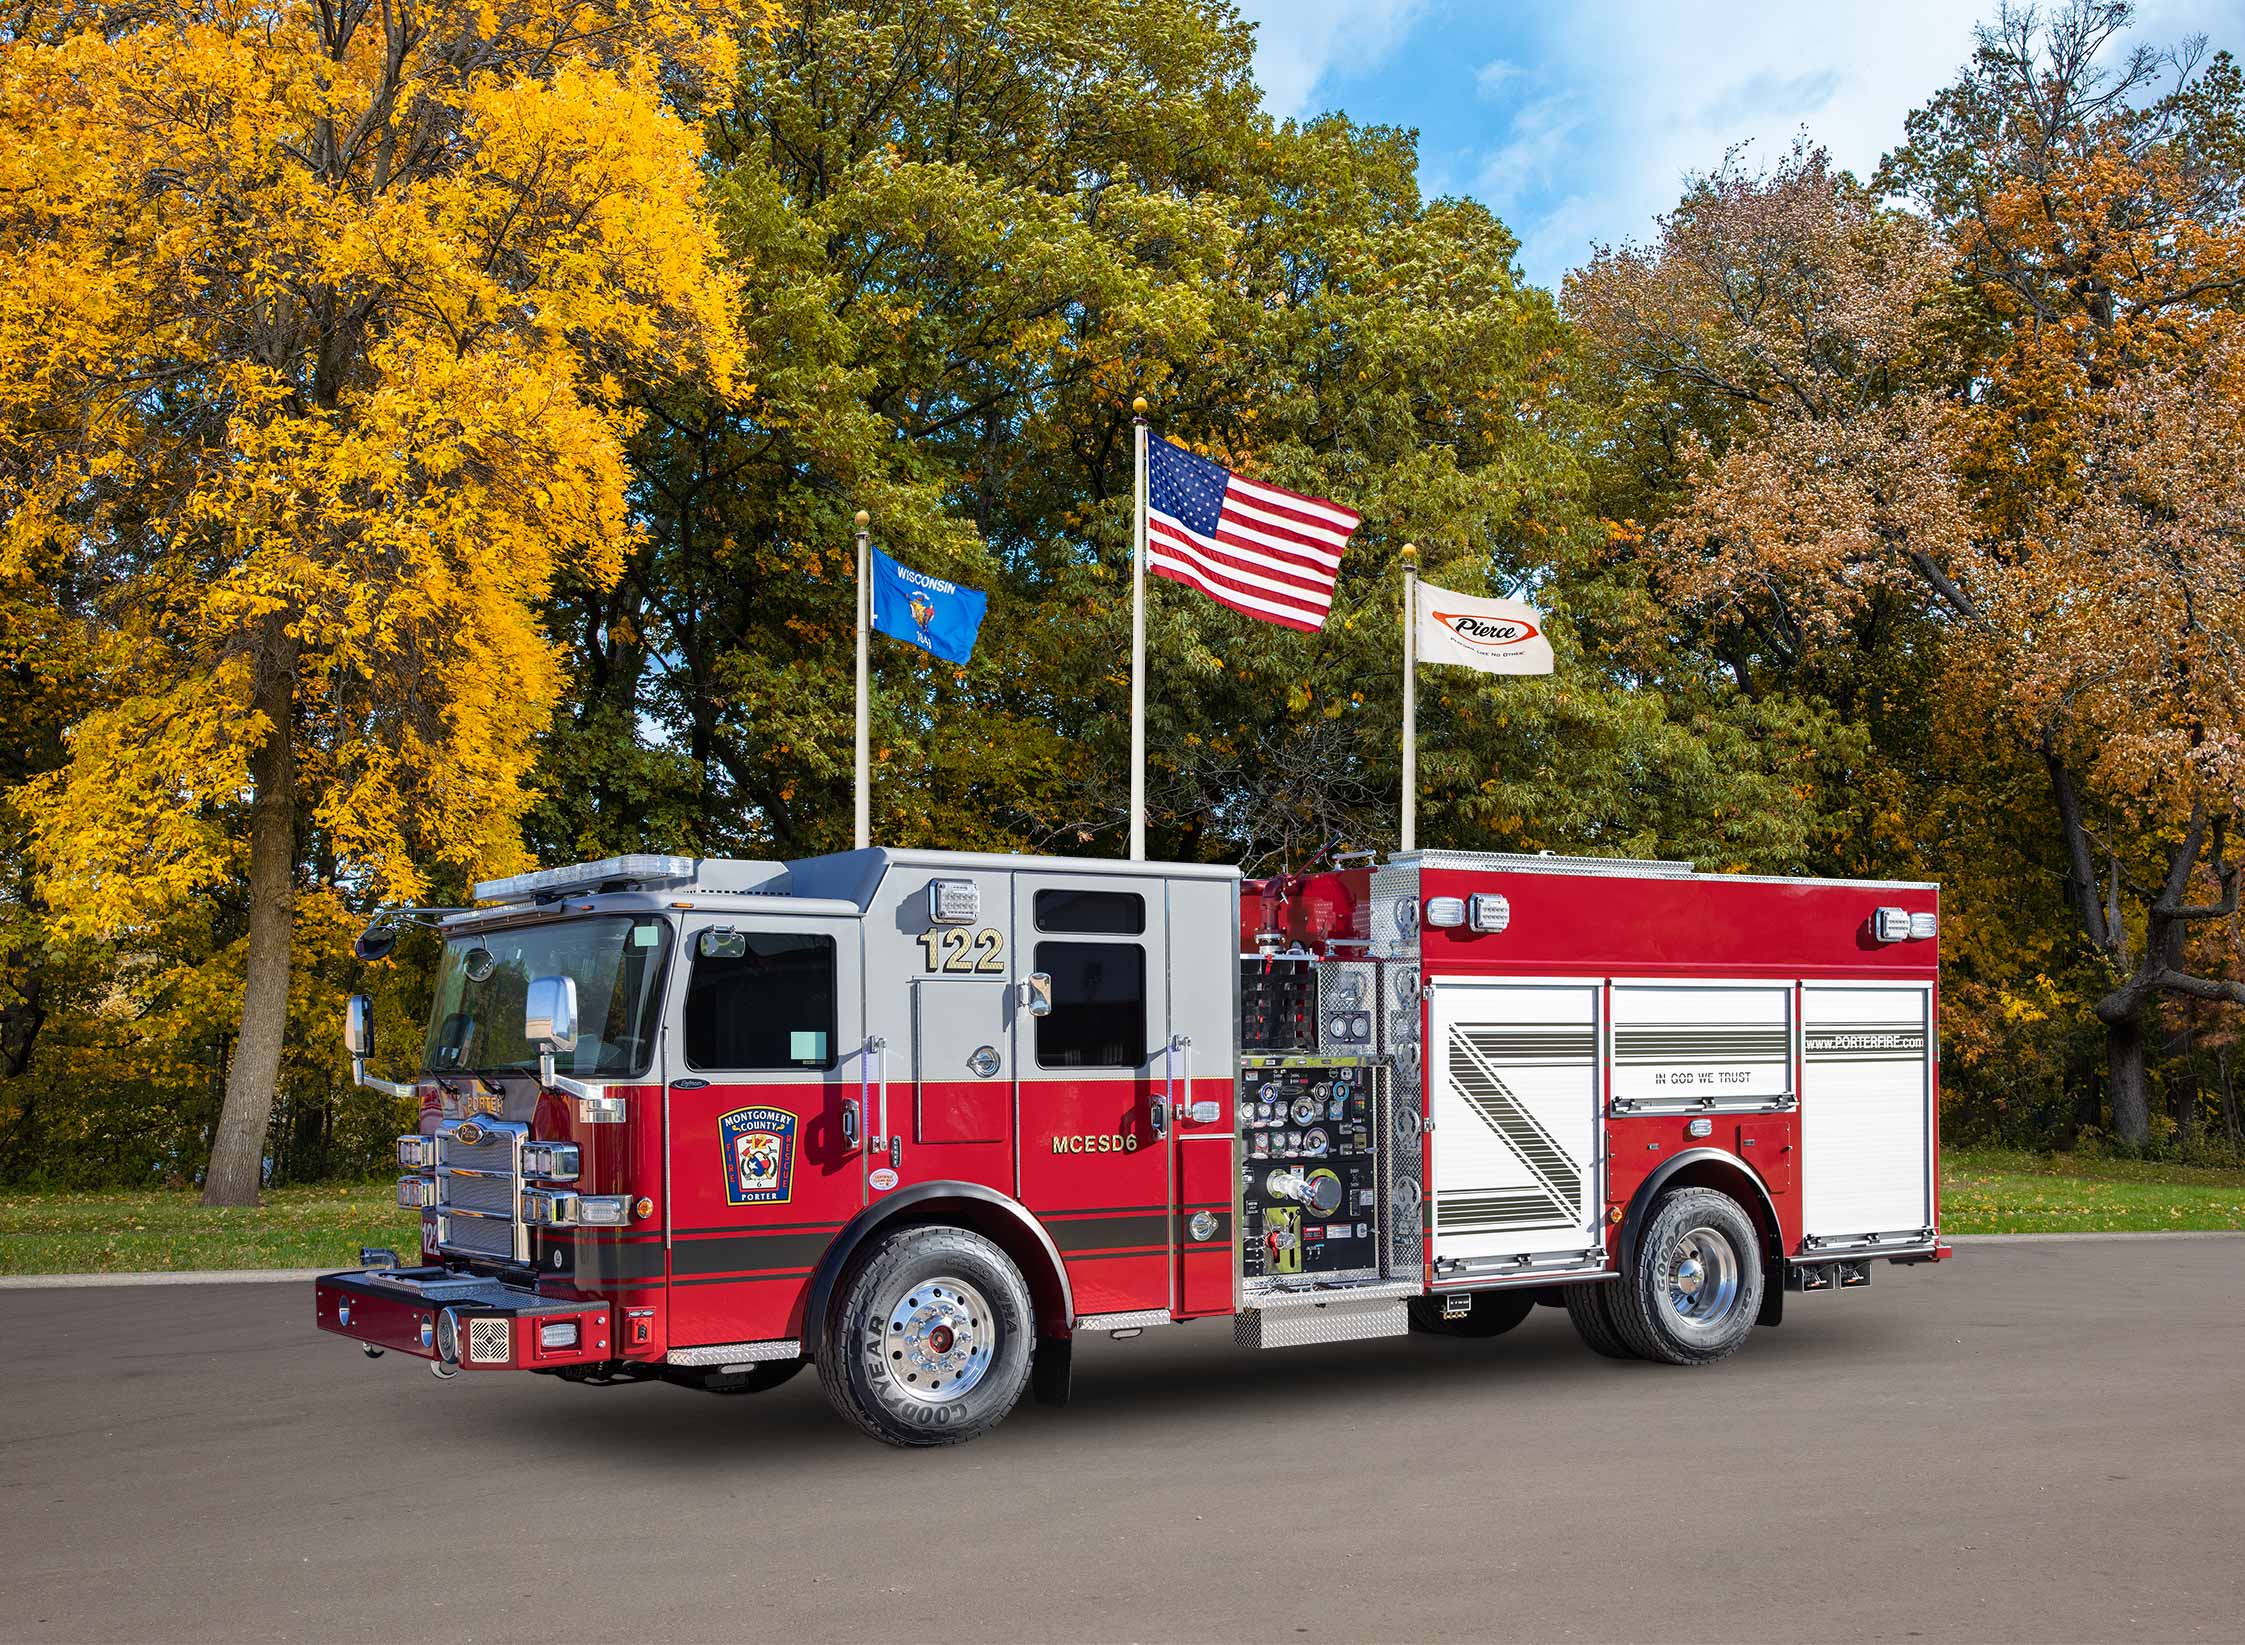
[
  {"x": 416, "y": 1194},
  {"x": 1489, "y": 912},
  {"x": 1923, "y": 926},
  {"x": 560, "y": 1334},
  {"x": 1891, "y": 925},
  {"x": 1446, "y": 913},
  {"x": 416, "y": 1153},
  {"x": 554, "y": 1161},
  {"x": 565, "y": 1208}
]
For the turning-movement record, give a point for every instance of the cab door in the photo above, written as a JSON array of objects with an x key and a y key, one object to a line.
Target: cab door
[
  {"x": 1097, "y": 1141},
  {"x": 766, "y": 1061}
]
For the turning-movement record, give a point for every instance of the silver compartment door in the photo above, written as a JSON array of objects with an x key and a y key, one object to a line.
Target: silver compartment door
[
  {"x": 1866, "y": 1110},
  {"x": 1513, "y": 1161}
]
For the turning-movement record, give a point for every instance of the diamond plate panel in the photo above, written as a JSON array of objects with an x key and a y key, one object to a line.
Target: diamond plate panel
[
  {"x": 735, "y": 1353},
  {"x": 1303, "y": 1325}
]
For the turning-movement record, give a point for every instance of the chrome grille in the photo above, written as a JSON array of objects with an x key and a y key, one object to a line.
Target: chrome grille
[
  {"x": 476, "y": 1237},
  {"x": 490, "y": 1341},
  {"x": 494, "y": 1152},
  {"x": 479, "y": 1174},
  {"x": 493, "y": 1194}
]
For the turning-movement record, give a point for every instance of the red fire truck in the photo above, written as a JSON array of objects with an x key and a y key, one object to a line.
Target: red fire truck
[{"x": 923, "y": 1119}]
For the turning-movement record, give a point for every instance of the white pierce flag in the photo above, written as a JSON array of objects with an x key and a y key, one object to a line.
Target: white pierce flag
[{"x": 1473, "y": 631}]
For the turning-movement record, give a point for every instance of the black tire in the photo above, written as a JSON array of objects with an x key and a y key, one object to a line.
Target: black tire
[
  {"x": 1494, "y": 1313},
  {"x": 927, "y": 1307},
  {"x": 1593, "y": 1319},
  {"x": 1694, "y": 1289}
]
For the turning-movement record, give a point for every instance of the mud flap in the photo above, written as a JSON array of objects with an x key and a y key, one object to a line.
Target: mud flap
[{"x": 1048, "y": 1370}]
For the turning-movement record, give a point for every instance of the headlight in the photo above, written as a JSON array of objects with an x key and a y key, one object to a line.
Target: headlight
[
  {"x": 555, "y": 1161},
  {"x": 565, "y": 1208},
  {"x": 416, "y": 1153},
  {"x": 417, "y": 1193}
]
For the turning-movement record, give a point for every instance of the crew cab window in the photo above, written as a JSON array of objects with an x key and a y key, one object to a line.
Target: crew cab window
[
  {"x": 1103, "y": 913},
  {"x": 1098, "y": 1016},
  {"x": 760, "y": 1000}
]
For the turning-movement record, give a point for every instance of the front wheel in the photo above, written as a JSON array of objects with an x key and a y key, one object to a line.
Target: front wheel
[
  {"x": 929, "y": 1341},
  {"x": 1692, "y": 1294}
]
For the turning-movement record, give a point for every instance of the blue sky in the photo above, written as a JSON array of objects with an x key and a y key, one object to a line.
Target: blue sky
[{"x": 1575, "y": 122}]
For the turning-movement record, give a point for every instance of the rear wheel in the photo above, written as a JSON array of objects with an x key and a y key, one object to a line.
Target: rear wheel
[
  {"x": 1491, "y": 1315},
  {"x": 1695, "y": 1288},
  {"x": 1590, "y": 1308},
  {"x": 929, "y": 1339}
]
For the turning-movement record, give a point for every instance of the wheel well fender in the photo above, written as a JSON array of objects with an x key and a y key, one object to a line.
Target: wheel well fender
[
  {"x": 1707, "y": 1168},
  {"x": 1000, "y": 1218}
]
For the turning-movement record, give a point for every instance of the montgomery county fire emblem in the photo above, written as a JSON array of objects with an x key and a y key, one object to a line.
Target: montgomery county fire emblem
[{"x": 759, "y": 1146}]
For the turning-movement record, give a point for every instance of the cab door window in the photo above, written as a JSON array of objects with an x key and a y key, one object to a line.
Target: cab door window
[
  {"x": 761, "y": 1000},
  {"x": 1098, "y": 1016}
]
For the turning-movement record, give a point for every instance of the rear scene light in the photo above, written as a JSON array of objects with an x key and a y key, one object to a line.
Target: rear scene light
[{"x": 560, "y": 1334}]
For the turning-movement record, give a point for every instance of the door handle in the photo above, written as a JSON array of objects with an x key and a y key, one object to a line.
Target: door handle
[
  {"x": 877, "y": 1048},
  {"x": 1180, "y": 1047},
  {"x": 850, "y": 1113}
]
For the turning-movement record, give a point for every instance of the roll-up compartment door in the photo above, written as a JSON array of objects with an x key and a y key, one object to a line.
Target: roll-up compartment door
[
  {"x": 1690, "y": 1047},
  {"x": 1866, "y": 1110},
  {"x": 1513, "y": 1161}
]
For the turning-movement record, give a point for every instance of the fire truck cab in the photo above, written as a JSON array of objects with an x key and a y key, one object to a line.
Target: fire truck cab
[{"x": 921, "y": 1119}]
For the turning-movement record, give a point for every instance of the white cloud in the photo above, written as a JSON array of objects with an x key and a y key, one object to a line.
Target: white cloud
[
  {"x": 1299, "y": 43},
  {"x": 1493, "y": 76},
  {"x": 1668, "y": 85}
]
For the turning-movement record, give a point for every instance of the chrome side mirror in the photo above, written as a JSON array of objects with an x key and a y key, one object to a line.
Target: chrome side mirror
[
  {"x": 1036, "y": 993},
  {"x": 358, "y": 1040},
  {"x": 549, "y": 1013},
  {"x": 358, "y": 1026}
]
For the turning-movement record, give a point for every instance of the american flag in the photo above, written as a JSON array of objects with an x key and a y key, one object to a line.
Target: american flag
[{"x": 1272, "y": 554}]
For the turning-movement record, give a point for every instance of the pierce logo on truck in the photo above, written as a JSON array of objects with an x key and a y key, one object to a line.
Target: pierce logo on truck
[{"x": 759, "y": 1145}]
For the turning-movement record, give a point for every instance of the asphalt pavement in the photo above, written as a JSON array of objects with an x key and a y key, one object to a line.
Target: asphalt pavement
[{"x": 2038, "y": 1442}]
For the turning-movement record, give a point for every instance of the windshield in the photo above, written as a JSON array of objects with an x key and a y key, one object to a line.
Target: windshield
[{"x": 476, "y": 1026}]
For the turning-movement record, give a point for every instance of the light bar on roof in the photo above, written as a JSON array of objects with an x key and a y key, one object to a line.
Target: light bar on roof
[{"x": 644, "y": 867}]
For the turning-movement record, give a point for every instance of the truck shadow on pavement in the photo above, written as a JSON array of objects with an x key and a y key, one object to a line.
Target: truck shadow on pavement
[{"x": 1124, "y": 1389}]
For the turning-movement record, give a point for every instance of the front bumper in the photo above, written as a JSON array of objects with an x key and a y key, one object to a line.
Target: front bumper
[{"x": 460, "y": 1319}]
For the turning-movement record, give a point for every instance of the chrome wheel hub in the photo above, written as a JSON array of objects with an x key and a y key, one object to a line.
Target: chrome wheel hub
[
  {"x": 1701, "y": 1276},
  {"x": 939, "y": 1340}
]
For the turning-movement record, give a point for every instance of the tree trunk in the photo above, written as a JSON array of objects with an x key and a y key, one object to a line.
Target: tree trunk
[
  {"x": 2124, "y": 1068},
  {"x": 238, "y": 1150},
  {"x": 2229, "y": 1099}
]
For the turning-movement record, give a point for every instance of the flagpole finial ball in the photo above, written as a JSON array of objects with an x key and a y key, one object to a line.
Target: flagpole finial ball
[
  {"x": 863, "y": 519},
  {"x": 1138, "y": 406},
  {"x": 1410, "y": 551}
]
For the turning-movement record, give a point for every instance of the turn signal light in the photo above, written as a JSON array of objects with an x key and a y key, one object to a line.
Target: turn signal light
[
  {"x": 416, "y": 1153},
  {"x": 417, "y": 1193},
  {"x": 564, "y": 1208}
]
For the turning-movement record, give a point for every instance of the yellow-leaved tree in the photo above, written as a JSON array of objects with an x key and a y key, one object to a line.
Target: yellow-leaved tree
[{"x": 315, "y": 364}]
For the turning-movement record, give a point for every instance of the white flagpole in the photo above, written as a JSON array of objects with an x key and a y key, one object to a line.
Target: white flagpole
[
  {"x": 864, "y": 703},
  {"x": 1410, "y": 697},
  {"x": 1138, "y": 641}
]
